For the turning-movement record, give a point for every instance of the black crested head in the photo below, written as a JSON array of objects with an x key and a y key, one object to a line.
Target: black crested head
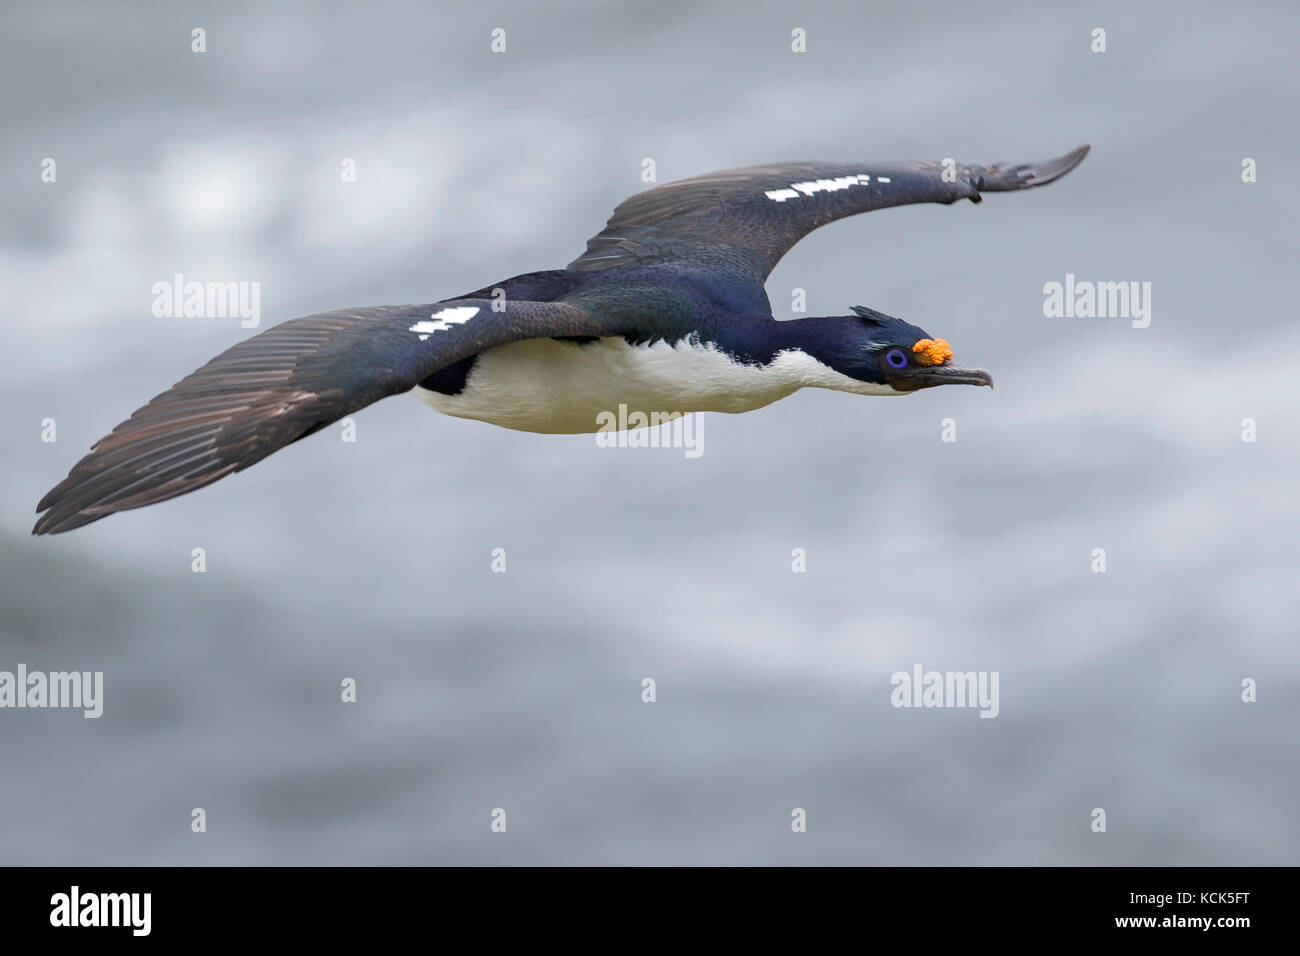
[{"x": 881, "y": 350}]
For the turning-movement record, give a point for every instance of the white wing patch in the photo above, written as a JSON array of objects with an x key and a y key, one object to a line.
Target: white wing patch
[
  {"x": 444, "y": 319},
  {"x": 795, "y": 190},
  {"x": 781, "y": 195}
]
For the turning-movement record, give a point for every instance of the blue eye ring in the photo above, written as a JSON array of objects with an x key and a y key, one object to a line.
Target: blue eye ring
[{"x": 896, "y": 358}]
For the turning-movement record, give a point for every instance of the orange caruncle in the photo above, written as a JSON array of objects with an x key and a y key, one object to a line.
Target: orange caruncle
[{"x": 932, "y": 351}]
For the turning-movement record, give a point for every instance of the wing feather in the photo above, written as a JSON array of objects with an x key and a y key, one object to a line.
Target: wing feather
[
  {"x": 279, "y": 386},
  {"x": 749, "y": 218}
]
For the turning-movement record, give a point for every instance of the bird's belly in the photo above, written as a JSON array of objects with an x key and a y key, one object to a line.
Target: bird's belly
[{"x": 542, "y": 385}]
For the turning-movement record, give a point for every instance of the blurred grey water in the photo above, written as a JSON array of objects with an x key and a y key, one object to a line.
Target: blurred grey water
[{"x": 523, "y": 690}]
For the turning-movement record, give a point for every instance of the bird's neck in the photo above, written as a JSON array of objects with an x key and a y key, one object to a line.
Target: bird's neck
[{"x": 760, "y": 340}]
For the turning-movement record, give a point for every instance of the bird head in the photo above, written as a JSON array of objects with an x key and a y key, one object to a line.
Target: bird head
[{"x": 881, "y": 351}]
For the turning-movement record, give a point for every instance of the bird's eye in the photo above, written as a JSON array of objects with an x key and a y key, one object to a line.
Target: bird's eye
[{"x": 896, "y": 358}]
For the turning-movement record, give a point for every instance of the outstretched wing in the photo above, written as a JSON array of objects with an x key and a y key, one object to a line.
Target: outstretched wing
[
  {"x": 751, "y": 217},
  {"x": 280, "y": 386}
]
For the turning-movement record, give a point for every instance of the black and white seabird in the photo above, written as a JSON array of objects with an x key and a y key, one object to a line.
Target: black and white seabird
[{"x": 664, "y": 312}]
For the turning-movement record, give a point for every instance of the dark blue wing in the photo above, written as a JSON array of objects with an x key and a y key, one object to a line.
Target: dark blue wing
[
  {"x": 280, "y": 386},
  {"x": 749, "y": 218}
]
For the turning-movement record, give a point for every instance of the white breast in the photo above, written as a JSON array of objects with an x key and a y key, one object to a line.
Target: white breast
[{"x": 541, "y": 385}]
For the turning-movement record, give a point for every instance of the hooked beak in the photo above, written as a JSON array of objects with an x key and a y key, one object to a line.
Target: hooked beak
[{"x": 911, "y": 379}]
